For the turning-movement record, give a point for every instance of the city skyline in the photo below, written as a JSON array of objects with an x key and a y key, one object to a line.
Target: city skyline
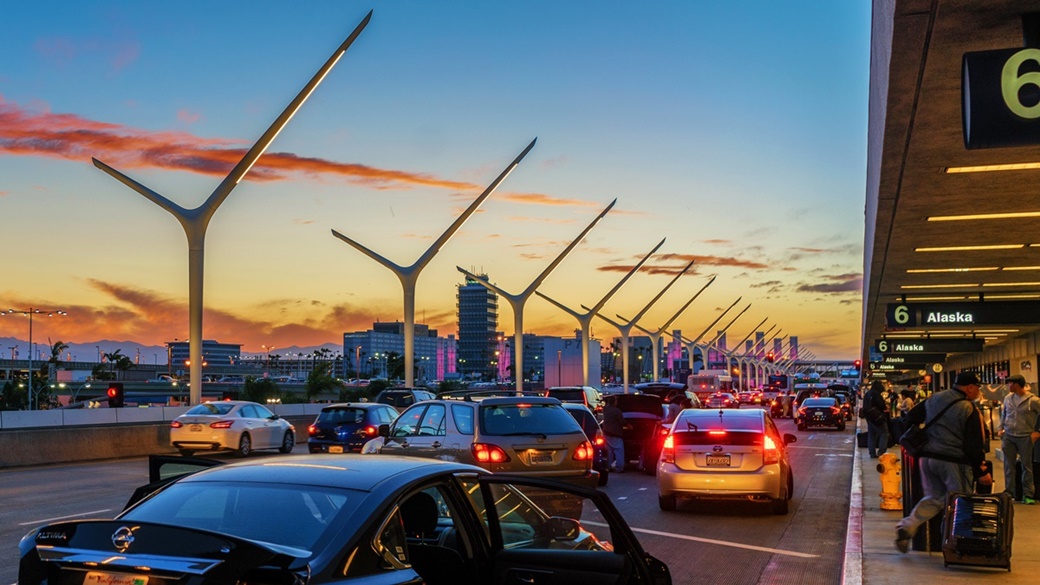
[{"x": 739, "y": 135}]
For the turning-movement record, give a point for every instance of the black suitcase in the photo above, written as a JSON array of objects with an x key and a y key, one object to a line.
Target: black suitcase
[
  {"x": 977, "y": 530},
  {"x": 861, "y": 439}
]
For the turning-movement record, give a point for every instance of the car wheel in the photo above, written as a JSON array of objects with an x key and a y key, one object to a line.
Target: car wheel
[
  {"x": 667, "y": 503},
  {"x": 245, "y": 446},
  {"x": 801, "y": 427},
  {"x": 603, "y": 477},
  {"x": 186, "y": 452},
  {"x": 288, "y": 442},
  {"x": 841, "y": 426},
  {"x": 780, "y": 506}
]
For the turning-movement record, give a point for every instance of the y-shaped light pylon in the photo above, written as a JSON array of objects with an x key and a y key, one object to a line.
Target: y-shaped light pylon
[
  {"x": 517, "y": 301},
  {"x": 409, "y": 275},
  {"x": 729, "y": 354},
  {"x": 720, "y": 333},
  {"x": 626, "y": 329},
  {"x": 655, "y": 336},
  {"x": 691, "y": 345},
  {"x": 195, "y": 221},
  {"x": 585, "y": 319}
]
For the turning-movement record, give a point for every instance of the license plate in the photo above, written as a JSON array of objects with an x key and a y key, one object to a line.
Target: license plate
[
  {"x": 195, "y": 428},
  {"x": 335, "y": 449},
  {"x": 96, "y": 578},
  {"x": 717, "y": 461},
  {"x": 541, "y": 458},
  {"x": 818, "y": 415}
]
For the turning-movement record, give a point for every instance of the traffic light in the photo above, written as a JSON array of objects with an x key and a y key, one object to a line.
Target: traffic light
[
  {"x": 769, "y": 357},
  {"x": 857, "y": 363},
  {"x": 115, "y": 395}
]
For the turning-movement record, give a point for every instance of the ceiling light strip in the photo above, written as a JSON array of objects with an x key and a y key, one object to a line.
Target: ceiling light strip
[
  {"x": 1026, "y": 166},
  {"x": 973, "y": 248},
  {"x": 977, "y": 216}
]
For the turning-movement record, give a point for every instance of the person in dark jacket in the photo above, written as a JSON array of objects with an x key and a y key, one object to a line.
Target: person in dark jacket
[
  {"x": 954, "y": 457},
  {"x": 613, "y": 426},
  {"x": 875, "y": 410}
]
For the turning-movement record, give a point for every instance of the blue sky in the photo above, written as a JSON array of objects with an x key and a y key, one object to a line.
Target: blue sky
[{"x": 737, "y": 130}]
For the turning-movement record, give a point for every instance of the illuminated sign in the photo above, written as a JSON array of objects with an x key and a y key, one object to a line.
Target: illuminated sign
[
  {"x": 960, "y": 315},
  {"x": 922, "y": 346},
  {"x": 918, "y": 358},
  {"x": 1000, "y": 98}
]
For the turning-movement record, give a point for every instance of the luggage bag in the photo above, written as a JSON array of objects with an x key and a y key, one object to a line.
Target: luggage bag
[{"x": 977, "y": 530}]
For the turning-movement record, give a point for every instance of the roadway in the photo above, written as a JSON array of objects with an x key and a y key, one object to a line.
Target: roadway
[{"x": 736, "y": 544}]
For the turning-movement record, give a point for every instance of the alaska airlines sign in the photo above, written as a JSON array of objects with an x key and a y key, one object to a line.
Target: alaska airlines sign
[
  {"x": 960, "y": 315},
  {"x": 1000, "y": 96},
  {"x": 912, "y": 359},
  {"x": 926, "y": 346}
]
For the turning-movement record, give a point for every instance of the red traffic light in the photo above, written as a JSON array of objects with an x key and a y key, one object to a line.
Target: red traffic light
[
  {"x": 115, "y": 395},
  {"x": 857, "y": 363}
]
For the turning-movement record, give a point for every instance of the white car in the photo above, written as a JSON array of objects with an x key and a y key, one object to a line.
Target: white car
[{"x": 235, "y": 425}]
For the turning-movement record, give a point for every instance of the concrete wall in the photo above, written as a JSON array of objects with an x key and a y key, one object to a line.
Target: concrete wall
[{"x": 63, "y": 436}]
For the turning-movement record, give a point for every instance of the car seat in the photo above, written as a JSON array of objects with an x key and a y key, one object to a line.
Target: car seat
[{"x": 436, "y": 565}]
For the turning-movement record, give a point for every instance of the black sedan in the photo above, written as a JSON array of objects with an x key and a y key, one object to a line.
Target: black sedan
[
  {"x": 364, "y": 519},
  {"x": 820, "y": 412}
]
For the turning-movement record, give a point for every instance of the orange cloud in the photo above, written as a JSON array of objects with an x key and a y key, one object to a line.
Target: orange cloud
[
  {"x": 715, "y": 261},
  {"x": 71, "y": 137}
]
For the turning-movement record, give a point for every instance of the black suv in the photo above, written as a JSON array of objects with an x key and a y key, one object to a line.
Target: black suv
[
  {"x": 345, "y": 428},
  {"x": 402, "y": 398}
]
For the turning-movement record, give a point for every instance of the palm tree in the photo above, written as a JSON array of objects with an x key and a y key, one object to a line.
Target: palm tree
[
  {"x": 56, "y": 349},
  {"x": 118, "y": 361}
]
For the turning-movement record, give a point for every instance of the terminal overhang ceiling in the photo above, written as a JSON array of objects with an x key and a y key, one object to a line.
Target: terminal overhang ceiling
[{"x": 915, "y": 136}]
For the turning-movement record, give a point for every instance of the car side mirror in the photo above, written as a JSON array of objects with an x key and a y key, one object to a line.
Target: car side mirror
[
  {"x": 384, "y": 430},
  {"x": 789, "y": 438},
  {"x": 567, "y": 529}
]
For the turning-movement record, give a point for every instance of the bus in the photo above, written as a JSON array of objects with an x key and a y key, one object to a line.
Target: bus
[{"x": 707, "y": 382}]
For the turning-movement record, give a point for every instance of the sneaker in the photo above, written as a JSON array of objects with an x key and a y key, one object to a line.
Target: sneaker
[
  {"x": 1028, "y": 501},
  {"x": 903, "y": 540}
]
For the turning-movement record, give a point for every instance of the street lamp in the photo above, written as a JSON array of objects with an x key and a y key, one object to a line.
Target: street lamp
[
  {"x": 29, "y": 313},
  {"x": 267, "y": 355}
]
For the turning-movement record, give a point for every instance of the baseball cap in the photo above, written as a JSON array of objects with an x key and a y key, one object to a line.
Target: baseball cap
[
  {"x": 966, "y": 379},
  {"x": 1017, "y": 379}
]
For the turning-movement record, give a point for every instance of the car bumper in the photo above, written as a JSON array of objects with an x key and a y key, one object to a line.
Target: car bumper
[
  {"x": 334, "y": 447},
  {"x": 815, "y": 422},
  {"x": 766, "y": 482}
]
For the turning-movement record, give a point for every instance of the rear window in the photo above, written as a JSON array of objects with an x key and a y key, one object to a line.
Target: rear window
[
  {"x": 216, "y": 407},
  {"x": 716, "y": 423},
  {"x": 342, "y": 416},
  {"x": 718, "y": 437},
  {"x": 567, "y": 395},
  {"x": 586, "y": 420},
  {"x": 820, "y": 402},
  {"x": 526, "y": 419}
]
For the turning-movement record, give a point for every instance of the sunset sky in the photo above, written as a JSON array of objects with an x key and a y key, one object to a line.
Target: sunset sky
[{"x": 737, "y": 130}]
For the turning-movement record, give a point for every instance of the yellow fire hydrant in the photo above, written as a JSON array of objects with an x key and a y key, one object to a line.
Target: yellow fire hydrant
[{"x": 891, "y": 481}]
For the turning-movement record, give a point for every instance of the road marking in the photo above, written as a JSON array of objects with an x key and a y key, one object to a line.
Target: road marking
[
  {"x": 775, "y": 551},
  {"x": 817, "y": 448},
  {"x": 45, "y": 521}
]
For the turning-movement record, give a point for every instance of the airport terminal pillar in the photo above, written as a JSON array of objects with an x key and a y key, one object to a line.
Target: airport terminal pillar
[{"x": 929, "y": 536}]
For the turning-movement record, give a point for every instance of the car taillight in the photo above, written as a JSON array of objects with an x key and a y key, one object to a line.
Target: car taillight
[
  {"x": 369, "y": 431},
  {"x": 176, "y": 424},
  {"x": 771, "y": 454},
  {"x": 835, "y": 410},
  {"x": 668, "y": 449},
  {"x": 801, "y": 411},
  {"x": 716, "y": 433},
  {"x": 583, "y": 452},
  {"x": 221, "y": 424},
  {"x": 600, "y": 439},
  {"x": 312, "y": 430},
  {"x": 487, "y": 453}
]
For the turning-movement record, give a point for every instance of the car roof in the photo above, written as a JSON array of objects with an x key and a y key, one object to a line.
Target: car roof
[
  {"x": 712, "y": 418},
  {"x": 361, "y": 472},
  {"x": 576, "y": 406},
  {"x": 507, "y": 400},
  {"x": 363, "y": 405}
]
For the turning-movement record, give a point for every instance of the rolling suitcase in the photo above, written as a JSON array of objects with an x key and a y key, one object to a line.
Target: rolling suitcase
[
  {"x": 977, "y": 530},
  {"x": 861, "y": 439}
]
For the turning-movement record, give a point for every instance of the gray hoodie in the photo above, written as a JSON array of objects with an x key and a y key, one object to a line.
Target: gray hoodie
[{"x": 1020, "y": 414}]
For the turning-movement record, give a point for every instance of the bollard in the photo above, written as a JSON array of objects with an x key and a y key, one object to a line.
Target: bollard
[{"x": 889, "y": 468}]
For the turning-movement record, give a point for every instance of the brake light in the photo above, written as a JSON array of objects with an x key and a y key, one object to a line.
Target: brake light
[
  {"x": 771, "y": 454},
  {"x": 801, "y": 411},
  {"x": 835, "y": 410},
  {"x": 312, "y": 430},
  {"x": 668, "y": 449},
  {"x": 487, "y": 453},
  {"x": 176, "y": 424},
  {"x": 583, "y": 452},
  {"x": 222, "y": 424},
  {"x": 371, "y": 431},
  {"x": 663, "y": 432},
  {"x": 600, "y": 440},
  {"x": 717, "y": 433}
]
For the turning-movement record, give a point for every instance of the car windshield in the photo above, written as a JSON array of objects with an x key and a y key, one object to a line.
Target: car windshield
[
  {"x": 527, "y": 419},
  {"x": 211, "y": 408},
  {"x": 340, "y": 416},
  {"x": 292, "y": 515}
]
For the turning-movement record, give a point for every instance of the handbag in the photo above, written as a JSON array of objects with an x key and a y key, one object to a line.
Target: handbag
[{"x": 915, "y": 439}]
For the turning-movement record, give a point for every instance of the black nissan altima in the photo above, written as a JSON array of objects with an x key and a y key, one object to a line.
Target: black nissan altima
[{"x": 359, "y": 519}]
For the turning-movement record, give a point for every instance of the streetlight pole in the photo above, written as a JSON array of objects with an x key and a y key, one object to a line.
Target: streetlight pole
[{"x": 29, "y": 313}]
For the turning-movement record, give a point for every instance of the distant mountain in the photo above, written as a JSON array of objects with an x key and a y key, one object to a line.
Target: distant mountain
[{"x": 147, "y": 354}]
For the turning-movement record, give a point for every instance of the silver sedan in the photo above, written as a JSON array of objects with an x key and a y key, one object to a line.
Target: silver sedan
[{"x": 235, "y": 425}]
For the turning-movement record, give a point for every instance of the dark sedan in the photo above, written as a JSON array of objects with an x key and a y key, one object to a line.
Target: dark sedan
[
  {"x": 345, "y": 428},
  {"x": 820, "y": 412},
  {"x": 589, "y": 424},
  {"x": 364, "y": 519}
]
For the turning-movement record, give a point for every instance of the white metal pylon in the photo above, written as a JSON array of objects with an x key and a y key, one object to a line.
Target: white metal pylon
[
  {"x": 409, "y": 275},
  {"x": 517, "y": 301},
  {"x": 195, "y": 221}
]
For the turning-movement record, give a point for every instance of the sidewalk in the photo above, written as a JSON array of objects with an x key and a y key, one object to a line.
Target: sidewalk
[{"x": 872, "y": 559}]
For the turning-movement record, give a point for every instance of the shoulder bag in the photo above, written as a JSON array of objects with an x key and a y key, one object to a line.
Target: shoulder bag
[{"x": 915, "y": 438}]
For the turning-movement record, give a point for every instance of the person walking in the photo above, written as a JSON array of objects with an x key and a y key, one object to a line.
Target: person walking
[
  {"x": 1018, "y": 430},
  {"x": 613, "y": 428},
  {"x": 954, "y": 457},
  {"x": 875, "y": 410},
  {"x": 785, "y": 402}
]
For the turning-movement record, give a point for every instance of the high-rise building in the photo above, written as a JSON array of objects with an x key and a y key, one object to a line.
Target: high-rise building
[
  {"x": 478, "y": 321},
  {"x": 368, "y": 353}
]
